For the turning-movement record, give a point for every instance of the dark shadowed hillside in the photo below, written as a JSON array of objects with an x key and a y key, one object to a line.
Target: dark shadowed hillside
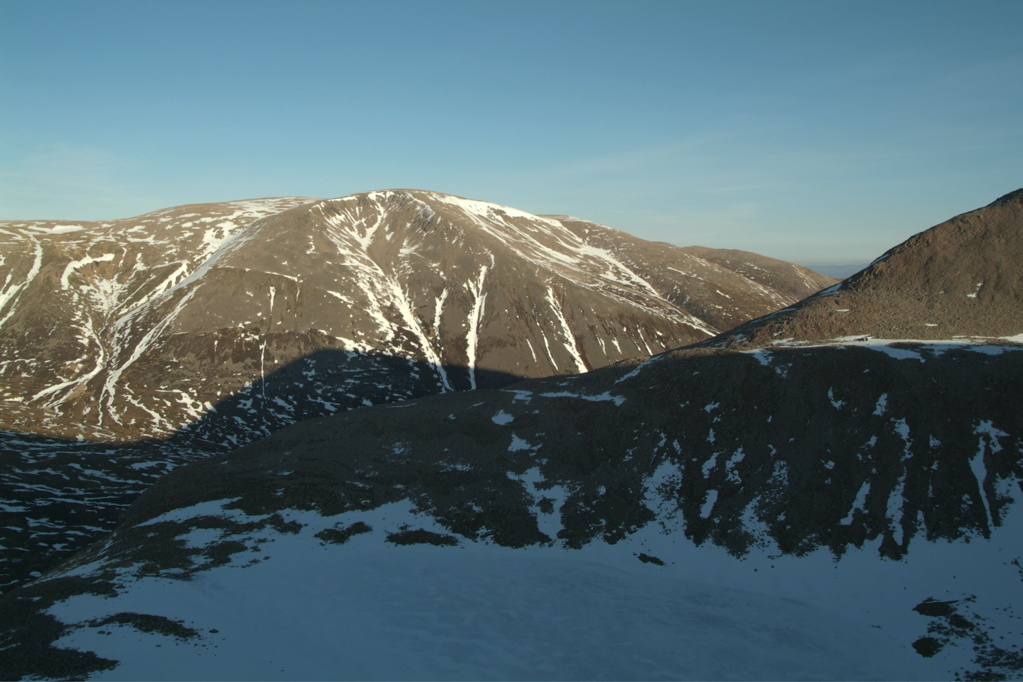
[{"x": 209, "y": 326}]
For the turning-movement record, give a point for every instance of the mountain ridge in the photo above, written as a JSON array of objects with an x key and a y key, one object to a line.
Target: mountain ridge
[
  {"x": 878, "y": 481},
  {"x": 211, "y": 297},
  {"x": 196, "y": 329}
]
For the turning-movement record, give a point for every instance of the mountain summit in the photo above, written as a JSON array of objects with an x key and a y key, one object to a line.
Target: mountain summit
[{"x": 387, "y": 295}]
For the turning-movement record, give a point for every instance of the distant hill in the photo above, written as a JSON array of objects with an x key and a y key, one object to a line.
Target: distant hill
[{"x": 837, "y": 271}]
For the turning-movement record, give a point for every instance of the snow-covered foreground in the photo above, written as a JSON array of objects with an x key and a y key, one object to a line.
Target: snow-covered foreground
[{"x": 296, "y": 607}]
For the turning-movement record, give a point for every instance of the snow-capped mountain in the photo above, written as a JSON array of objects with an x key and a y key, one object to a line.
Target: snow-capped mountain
[
  {"x": 136, "y": 328},
  {"x": 840, "y": 508},
  {"x": 209, "y": 326}
]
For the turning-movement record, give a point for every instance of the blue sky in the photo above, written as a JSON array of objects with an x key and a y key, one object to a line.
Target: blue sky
[{"x": 811, "y": 131}]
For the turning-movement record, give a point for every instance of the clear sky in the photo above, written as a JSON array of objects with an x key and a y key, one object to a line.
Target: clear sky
[{"x": 822, "y": 131}]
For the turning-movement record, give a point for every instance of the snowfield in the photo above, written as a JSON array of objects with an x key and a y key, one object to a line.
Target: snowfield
[{"x": 649, "y": 607}]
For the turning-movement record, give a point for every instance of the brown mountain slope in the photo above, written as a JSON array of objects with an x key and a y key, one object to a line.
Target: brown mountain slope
[
  {"x": 719, "y": 286},
  {"x": 209, "y": 326},
  {"x": 770, "y": 272},
  {"x": 135, "y": 328},
  {"x": 959, "y": 278}
]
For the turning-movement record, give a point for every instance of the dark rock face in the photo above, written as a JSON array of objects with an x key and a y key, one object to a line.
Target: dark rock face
[
  {"x": 138, "y": 327},
  {"x": 787, "y": 450},
  {"x": 793, "y": 448}
]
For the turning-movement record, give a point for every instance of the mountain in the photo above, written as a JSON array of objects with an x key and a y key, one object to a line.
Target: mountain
[
  {"x": 410, "y": 293},
  {"x": 831, "y": 509},
  {"x": 961, "y": 278},
  {"x": 719, "y": 286},
  {"x": 782, "y": 488},
  {"x": 162, "y": 339}
]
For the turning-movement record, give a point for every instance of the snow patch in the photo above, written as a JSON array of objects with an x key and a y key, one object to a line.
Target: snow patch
[
  {"x": 75, "y": 265},
  {"x": 881, "y": 406},
  {"x": 708, "y": 504},
  {"x": 502, "y": 418}
]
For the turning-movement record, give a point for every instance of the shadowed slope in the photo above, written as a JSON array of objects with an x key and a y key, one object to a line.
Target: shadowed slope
[
  {"x": 868, "y": 455},
  {"x": 59, "y": 496}
]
